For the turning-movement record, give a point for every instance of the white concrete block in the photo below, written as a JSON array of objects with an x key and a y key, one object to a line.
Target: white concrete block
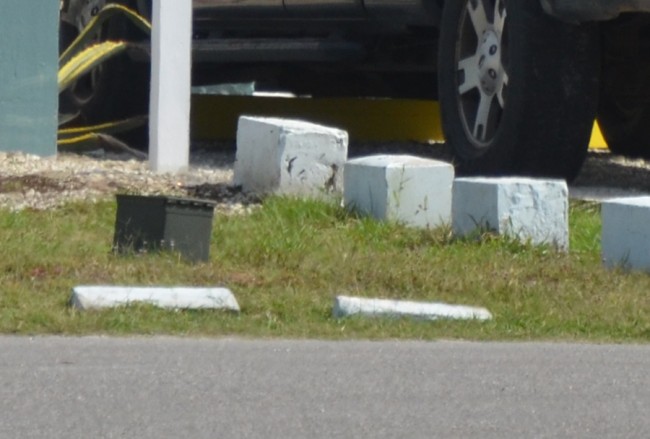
[
  {"x": 532, "y": 210},
  {"x": 411, "y": 190},
  {"x": 626, "y": 233},
  {"x": 289, "y": 157},
  {"x": 98, "y": 297},
  {"x": 345, "y": 306}
]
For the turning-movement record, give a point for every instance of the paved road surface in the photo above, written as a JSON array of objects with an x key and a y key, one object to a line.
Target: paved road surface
[{"x": 186, "y": 388}]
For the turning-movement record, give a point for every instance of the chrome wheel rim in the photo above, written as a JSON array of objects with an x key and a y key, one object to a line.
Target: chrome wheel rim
[{"x": 482, "y": 68}]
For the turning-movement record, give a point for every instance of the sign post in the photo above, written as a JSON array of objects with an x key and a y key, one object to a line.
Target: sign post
[{"x": 171, "y": 68}]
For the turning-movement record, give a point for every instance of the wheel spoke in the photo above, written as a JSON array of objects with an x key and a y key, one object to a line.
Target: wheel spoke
[
  {"x": 471, "y": 74},
  {"x": 477, "y": 13},
  {"x": 504, "y": 85},
  {"x": 483, "y": 117},
  {"x": 500, "y": 14}
]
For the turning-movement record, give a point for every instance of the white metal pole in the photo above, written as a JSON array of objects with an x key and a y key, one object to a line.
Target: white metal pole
[{"x": 171, "y": 68}]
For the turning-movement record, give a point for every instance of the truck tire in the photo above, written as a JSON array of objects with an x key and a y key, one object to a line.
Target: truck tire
[
  {"x": 518, "y": 89},
  {"x": 117, "y": 89},
  {"x": 624, "y": 124},
  {"x": 623, "y": 112}
]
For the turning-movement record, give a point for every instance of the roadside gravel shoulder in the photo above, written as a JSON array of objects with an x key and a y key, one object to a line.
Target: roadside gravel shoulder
[{"x": 33, "y": 182}]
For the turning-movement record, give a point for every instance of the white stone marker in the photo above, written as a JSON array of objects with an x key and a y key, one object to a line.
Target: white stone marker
[
  {"x": 289, "y": 157},
  {"x": 626, "y": 233},
  {"x": 345, "y": 306},
  {"x": 412, "y": 190},
  {"x": 532, "y": 210},
  {"x": 98, "y": 297},
  {"x": 171, "y": 67}
]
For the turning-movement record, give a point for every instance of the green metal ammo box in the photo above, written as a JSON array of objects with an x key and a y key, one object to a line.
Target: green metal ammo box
[{"x": 164, "y": 223}]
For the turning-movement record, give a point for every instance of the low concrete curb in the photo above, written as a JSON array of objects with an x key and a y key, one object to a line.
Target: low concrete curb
[
  {"x": 289, "y": 157},
  {"x": 345, "y": 306},
  {"x": 625, "y": 233},
  {"x": 99, "y": 297},
  {"x": 530, "y": 209},
  {"x": 412, "y": 190}
]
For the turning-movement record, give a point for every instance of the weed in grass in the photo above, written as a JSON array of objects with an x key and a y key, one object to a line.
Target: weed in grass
[{"x": 585, "y": 226}]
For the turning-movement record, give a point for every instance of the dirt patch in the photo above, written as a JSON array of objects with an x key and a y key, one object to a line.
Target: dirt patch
[{"x": 25, "y": 183}]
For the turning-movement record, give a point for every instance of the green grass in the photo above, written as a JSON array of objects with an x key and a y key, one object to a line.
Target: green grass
[{"x": 287, "y": 261}]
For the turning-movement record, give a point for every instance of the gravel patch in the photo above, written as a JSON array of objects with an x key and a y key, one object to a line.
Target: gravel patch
[{"x": 32, "y": 182}]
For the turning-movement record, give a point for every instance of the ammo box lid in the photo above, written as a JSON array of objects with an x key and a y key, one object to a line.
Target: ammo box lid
[{"x": 163, "y": 200}]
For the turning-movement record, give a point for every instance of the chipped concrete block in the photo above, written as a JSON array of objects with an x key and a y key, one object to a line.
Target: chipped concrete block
[
  {"x": 289, "y": 157},
  {"x": 412, "y": 190},
  {"x": 98, "y": 297},
  {"x": 529, "y": 209},
  {"x": 626, "y": 233},
  {"x": 345, "y": 306}
]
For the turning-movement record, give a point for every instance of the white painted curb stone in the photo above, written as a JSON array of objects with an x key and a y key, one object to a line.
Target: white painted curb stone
[
  {"x": 345, "y": 306},
  {"x": 289, "y": 157},
  {"x": 626, "y": 233},
  {"x": 411, "y": 190},
  {"x": 529, "y": 209},
  {"x": 99, "y": 297}
]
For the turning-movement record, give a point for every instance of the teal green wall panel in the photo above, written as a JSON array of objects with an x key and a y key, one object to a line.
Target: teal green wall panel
[{"x": 28, "y": 69}]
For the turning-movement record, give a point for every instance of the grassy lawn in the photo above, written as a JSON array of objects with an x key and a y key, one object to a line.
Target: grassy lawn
[{"x": 287, "y": 261}]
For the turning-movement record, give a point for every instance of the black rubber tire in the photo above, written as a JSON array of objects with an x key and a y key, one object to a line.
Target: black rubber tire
[
  {"x": 549, "y": 103},
  {"x": 624, "y": 126},
  {"x": 623, "y": 111},
  {"x": 117, "y": 89}
]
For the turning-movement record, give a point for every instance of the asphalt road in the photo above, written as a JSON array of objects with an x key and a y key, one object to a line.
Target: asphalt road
[{"x": 187, "y": 388}]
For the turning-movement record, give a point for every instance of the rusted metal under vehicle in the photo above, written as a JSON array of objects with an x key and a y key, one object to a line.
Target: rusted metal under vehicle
[{"x": 520, "y": 82}]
